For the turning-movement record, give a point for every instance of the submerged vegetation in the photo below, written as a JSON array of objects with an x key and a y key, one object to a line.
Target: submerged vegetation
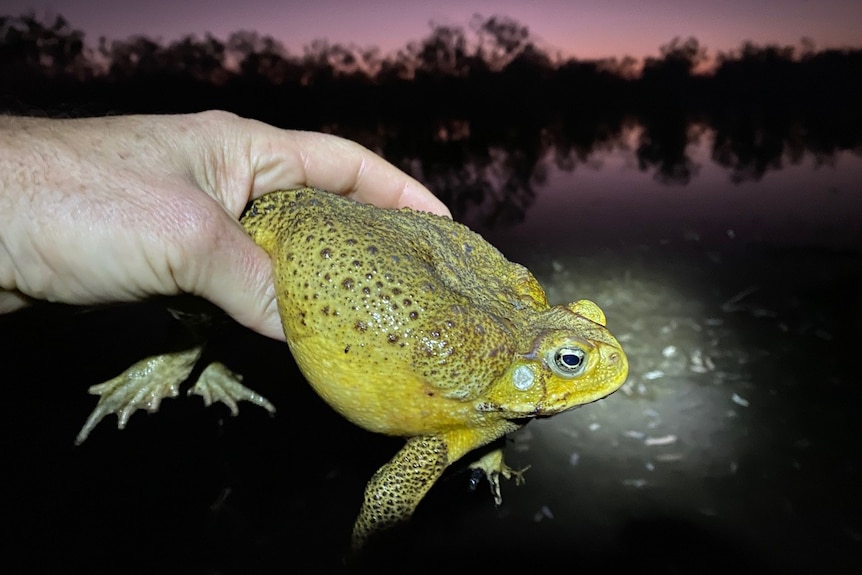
[{"x": 477, "y": 112}]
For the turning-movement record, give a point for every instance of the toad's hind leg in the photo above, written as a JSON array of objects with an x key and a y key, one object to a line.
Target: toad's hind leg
[
  {"x": 395, "y": 490},
  {"x": 147, "y": 382},
  {"x": 141, "y": 386}
]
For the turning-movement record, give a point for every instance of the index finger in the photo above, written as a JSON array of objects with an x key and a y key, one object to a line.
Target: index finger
[{"x": 292, "y": 158}]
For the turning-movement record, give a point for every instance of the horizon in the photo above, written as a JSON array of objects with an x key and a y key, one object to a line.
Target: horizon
[{"x": 566, "y": 29}]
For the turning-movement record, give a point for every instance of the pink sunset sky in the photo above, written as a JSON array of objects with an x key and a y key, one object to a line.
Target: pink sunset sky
[{"x": 582, "y": 28}]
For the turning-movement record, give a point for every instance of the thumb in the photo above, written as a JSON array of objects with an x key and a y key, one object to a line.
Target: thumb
[{"x": 238, "y": 278}]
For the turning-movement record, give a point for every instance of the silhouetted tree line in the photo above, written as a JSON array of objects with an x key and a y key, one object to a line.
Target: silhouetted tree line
[{"x": 477, "y": 112}]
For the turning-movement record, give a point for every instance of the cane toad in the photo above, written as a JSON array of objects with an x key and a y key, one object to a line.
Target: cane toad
[{"x": 408, "y": 324}]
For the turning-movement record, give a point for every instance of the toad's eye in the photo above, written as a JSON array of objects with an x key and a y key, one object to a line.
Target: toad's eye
[{"x": 568, "y": 361}]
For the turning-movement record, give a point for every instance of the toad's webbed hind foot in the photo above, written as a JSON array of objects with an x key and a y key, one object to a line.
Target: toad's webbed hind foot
[
  {"x": 147, "y": 382},
  {"x": 219, "y": 384},
  {"x": 141, "y": 386}
]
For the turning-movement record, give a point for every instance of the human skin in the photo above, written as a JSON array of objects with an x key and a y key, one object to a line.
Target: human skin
[{"x": 124, "y": 208}]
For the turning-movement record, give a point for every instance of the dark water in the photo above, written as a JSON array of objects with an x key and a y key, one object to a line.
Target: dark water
[{"x": 734, "y": 446}]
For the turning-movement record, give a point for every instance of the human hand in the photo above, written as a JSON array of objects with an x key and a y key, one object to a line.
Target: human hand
[{"x": 123, "y": 208}]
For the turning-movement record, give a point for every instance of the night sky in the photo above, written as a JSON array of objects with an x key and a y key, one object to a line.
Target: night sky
[{"x": 582, "y": 28}]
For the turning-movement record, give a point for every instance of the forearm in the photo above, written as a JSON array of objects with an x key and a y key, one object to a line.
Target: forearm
[
  {"x": 22, "y": 174},
  {"x": 65, "y": 187}
]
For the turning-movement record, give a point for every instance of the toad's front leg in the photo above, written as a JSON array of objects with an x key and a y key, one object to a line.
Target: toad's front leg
[{"x": 492, "y": 466}]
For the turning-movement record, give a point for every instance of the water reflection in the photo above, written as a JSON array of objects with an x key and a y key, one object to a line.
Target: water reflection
[
  {"x": 611, "y": 200},
  {"x": 492, "y": 179},
  {"x": 667, "y": 184},
  {"x": 664, "y": 148}
]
